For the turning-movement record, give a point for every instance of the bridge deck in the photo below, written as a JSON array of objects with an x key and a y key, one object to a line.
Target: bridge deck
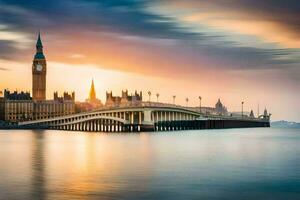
[{"x": 144, "y": 116}]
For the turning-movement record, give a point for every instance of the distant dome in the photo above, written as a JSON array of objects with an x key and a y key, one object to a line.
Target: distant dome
[{"x": 219, "y": 104}]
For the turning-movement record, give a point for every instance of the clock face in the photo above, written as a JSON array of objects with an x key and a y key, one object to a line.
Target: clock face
[{"x": 39, "y": 67}]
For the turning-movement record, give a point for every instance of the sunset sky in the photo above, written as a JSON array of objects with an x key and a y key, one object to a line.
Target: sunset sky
[{"x": 236, "y": 50}]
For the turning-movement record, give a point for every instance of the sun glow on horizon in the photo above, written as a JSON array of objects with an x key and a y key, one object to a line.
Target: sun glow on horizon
[{"x": 236, "y": 52}]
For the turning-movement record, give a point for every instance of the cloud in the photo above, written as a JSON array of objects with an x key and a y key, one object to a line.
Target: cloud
[
  {"x": 233, "y": 48},
  {"x": 247, "y": 16},
  {"x": 126, "y": 17},
  {"x": 77, "y": 56},
  {"x": 150, "y": 33},
  {"x": 6, "y": 49}
]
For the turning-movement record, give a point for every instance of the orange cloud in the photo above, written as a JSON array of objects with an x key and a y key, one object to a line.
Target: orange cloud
[{"x": 226, "y": 17}]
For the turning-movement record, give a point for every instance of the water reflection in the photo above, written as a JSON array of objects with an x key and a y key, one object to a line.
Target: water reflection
[
  {"x": 83, "y": 165},
  {"x": 38, "y": 165},
  {"x": 183, "y": 165}
]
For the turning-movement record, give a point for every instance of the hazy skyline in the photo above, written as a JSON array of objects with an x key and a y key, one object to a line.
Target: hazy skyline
[{"x": 234, "y": 50}]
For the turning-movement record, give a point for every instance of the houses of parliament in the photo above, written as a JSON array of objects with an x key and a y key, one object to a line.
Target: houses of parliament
[
  {"x": 18, "y": 106},
  {"x": 21, "y": 106}
]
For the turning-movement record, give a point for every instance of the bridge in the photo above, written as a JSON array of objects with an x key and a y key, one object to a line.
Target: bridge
[{"x": 145, "y": 116}]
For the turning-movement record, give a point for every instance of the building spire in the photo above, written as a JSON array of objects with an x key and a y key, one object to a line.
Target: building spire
[
  {"x": 92, "y": 95},
  {"x": 39, "y": 41},
  {"x": 39, "y": 48}
]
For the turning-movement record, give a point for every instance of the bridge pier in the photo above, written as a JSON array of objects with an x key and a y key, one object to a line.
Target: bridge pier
[{"x": 137, "y": 119}]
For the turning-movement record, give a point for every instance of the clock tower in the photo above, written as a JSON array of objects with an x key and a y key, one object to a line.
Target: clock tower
[{"x": 39, "y": 71}]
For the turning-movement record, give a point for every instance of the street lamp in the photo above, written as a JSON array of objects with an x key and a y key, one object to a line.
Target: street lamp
[
  {"x": 187, "y": 101},
  {"x": 157, "y": 95},
  {"x": 242, "y": 109},
  {"x": 200, "y": 98},
  {"x": 149, "y": 93},
  {"x": 174, "y": 97}
]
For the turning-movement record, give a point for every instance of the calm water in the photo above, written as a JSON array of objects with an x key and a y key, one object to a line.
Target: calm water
[{"x": 257, "y": 163}]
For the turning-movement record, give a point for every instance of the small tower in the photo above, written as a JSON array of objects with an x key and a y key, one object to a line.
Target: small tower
[
  {"x": 92, "y": 94},
  {"x": 266, "y": 115},
  {"x": 251, "y": 114}
]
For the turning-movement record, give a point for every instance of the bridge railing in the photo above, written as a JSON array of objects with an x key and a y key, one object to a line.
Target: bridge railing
[{"x": 195, "y": 110}]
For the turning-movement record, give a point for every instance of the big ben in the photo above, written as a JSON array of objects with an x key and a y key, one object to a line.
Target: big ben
[{"x": 39, "y": 71}]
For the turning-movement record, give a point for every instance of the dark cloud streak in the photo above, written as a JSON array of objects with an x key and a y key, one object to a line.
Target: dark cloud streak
[
  {"x": 7, "y": 50},
  {"x": 128, "y": 17}
]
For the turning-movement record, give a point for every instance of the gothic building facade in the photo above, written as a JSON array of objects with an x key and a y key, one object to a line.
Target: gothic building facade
[
  {"x": 125, "y": 99},
  {"x": 220, "y": 109},
  {"x": 59, "y": 106},
  {"x": 21, "y": 106},
  {"x": 42, "y": 108},
  {"x": 16, "y": 106}
]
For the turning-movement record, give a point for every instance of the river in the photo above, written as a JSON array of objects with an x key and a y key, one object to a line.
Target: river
[{"x": 254, "y": 163}]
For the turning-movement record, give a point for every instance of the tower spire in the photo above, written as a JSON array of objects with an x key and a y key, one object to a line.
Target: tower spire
[
  {"x": 92, "y": 95},
  {"x": 39, "y": 41},
  {"x": 39, "y": 48}
]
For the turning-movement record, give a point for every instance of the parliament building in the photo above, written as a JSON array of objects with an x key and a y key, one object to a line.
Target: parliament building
[
  {"x": 15, "y": 107},
  {"x": 124, "y": 100}
]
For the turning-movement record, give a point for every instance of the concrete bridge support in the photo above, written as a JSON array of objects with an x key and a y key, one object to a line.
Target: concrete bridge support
[{"x": 141, "y": 119}]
